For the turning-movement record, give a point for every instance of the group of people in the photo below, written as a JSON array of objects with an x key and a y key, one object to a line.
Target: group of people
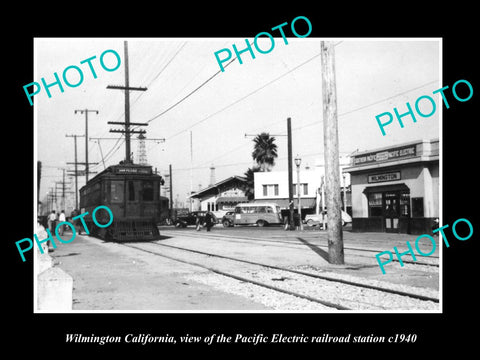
[{"x": 55, "y": 218}]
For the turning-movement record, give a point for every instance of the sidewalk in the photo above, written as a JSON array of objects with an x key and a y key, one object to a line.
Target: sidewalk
[{"x": 107, "y": 276}]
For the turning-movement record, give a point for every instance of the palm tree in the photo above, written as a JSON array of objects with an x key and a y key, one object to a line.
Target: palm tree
[
  {"x": 264, "y": 151},
  {"x": 249, "y": 186}
]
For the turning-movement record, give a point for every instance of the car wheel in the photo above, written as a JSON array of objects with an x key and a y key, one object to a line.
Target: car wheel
[
  {"x": 226, "y": 223},
  {"x": 261, "y": 223},
  {"x": 310, "y": 222}
]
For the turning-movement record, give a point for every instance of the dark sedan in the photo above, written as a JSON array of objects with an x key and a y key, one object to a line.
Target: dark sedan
[{"x": 190, "y": 218}]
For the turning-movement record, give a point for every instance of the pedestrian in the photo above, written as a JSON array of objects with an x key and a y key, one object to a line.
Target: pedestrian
[
  {"x": 61, "y": 218},
  {"x": 51, "y": 226},
  {"x": 208, "y": 220},
  {"x": 198, "y": 223}
]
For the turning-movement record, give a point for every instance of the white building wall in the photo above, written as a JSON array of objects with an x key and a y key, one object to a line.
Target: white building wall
[{"x": 312, "y": 177}]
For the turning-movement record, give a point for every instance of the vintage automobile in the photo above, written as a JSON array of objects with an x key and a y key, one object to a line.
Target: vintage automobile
[
  {"x": 190, "y": 218},
  {"x": 316, "y": 219},
  {"x": 227, "y": 219}
]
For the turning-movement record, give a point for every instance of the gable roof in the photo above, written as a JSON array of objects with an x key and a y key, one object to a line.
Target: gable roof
[{"x": 214, "y": 188}]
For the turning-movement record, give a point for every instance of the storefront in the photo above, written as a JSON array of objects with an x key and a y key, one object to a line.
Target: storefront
[{"x": 396, "y": 189}]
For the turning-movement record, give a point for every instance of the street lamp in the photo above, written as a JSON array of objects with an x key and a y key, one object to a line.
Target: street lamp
[{"x": 298, "y": 161}]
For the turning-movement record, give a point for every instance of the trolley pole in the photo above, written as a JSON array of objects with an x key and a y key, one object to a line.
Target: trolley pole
[{"x": 332, "y": 167}]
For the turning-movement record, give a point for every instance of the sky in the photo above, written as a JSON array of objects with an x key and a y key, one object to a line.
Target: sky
[{"x": 372, "y": 77}]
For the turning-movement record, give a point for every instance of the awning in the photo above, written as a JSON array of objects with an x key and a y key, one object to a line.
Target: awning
[
  {"x": 231, "y": 199},
  {"x": 382, "y": 188}
]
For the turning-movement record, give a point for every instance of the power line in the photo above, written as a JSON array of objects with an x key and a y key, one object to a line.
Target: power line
[
  {"x": 189, "y": 94},
  {"x": 244, "y": 97},
  {"x": 106, "y": 157},
  {"x": 371, "y": 104}
]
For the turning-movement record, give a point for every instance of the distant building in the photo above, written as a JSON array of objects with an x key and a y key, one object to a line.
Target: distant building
[
  {"x": 223, "y": 195},
  {"x": 396, "y": 189},
  {"x": 273, "y": 186}
]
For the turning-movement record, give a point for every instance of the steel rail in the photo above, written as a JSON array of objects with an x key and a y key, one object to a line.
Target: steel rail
[{"x": 317, "y": 276}]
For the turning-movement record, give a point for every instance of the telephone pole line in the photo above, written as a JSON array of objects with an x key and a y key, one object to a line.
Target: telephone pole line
[
  {"x": 127, "y": 122},
  {"x": 332, "y": 165},
  {"x": 62, "y": 183},
  {"x": 76, "y": 169},
  {"x": 86, "y": 138}
]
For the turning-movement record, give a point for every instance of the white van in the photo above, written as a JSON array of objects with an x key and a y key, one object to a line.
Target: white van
[{"x": 262, "y": 214}]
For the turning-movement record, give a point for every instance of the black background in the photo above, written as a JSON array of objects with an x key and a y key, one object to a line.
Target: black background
[{"x": 454, "y": 329}]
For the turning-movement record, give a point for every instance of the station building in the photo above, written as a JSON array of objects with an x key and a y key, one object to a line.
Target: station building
[
  {"x": 221, "y": 196},
  {"x": 396, "y": 189}
]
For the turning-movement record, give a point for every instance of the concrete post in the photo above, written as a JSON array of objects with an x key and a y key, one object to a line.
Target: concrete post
[{"x": 54, "y": 290}]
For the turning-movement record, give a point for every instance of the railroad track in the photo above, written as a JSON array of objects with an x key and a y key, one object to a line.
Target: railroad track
[
  {"x": 296, "y": 244},
  {"x": 325, "y": 290}
]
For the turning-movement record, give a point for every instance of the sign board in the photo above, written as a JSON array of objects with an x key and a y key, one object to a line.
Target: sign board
[
  {"x": 392, "y": 176},
  {"x": 133, "y": 170},
  {"x": 386, "y": 155}
]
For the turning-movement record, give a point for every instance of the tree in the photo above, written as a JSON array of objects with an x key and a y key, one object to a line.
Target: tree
[
  {"x": 249, "y": 187},
  {"x": 264, "y": 151}
]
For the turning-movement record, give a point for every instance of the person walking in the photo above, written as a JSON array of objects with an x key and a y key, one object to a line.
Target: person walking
[
  {"x": 61, "y": 218},
  {"x": 51, "y": 221},
  {"x": 51, "y": 227},
  {"x": 208, "y": 220},
  {"x": 198, "y": 223}
]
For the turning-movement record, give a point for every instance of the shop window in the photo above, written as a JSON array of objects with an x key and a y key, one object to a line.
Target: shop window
[
  {"x": 275, "y": 189},
  {"x": 375, "y": 204},
  {"x": 417, "y": 207},
  {"x": 265, "y": 190}
]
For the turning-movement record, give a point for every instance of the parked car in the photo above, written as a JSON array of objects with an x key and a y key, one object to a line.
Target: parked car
[
  {"x": 218, "y": 215},
  {"x": 316, "y": 219},
  {"x": 227, "y": 219},
  {"x": 190, "y": 218}
]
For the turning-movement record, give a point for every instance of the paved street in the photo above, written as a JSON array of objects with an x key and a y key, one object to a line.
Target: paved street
[{"x": 110, "y": 276}]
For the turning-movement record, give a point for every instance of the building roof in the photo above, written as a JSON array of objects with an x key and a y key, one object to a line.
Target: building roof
[{"x": 213, "y": 189}]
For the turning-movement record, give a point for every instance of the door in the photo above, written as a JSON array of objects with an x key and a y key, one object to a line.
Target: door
[{"x": 391, "y": 211}]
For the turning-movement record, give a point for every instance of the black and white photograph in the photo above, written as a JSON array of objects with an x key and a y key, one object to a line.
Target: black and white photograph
[
  {"x": 220, "y": 167},
  {"x": 217, "y": 179}
]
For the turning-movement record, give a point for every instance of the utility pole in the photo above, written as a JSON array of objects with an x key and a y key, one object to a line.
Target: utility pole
[
  {"x": 127, "y": 122},
  {"x": 39, "y": 177},
  {"x": 290, "y": 175},
  {"x": 191, "y": 171},
  {"x": 62, "y": 183},
  {"x": 332, "y": 166},
  {"x": 171, "y": 191},
  {"x": 76, "y": 169},
  {"x": 86, "y": 138}
]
